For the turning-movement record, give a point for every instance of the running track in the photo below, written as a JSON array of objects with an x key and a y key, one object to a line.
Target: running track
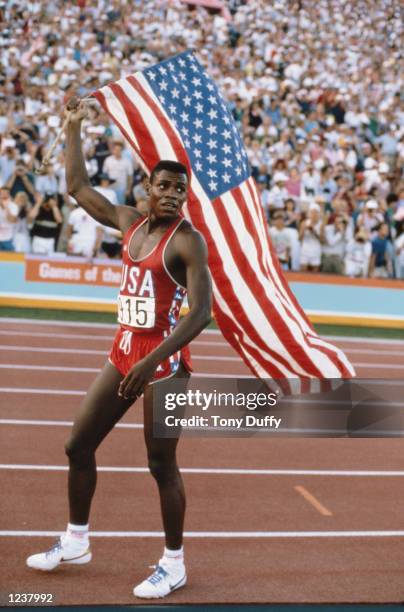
[{"x": 269, "y": 520}]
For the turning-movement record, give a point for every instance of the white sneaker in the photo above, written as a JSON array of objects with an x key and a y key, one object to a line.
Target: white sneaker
[
  {"x": 64, "y": 551},
  {"x": 162, "y": 582}
]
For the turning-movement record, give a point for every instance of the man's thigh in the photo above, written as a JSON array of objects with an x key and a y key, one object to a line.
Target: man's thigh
[
  {"x": 101, "y": 408},
  {"x": 161, "y": 446}
]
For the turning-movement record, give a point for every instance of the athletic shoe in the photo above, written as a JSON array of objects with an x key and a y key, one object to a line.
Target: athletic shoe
[
  {"x": 162, "y": 582},
  {"x": 64, "y": 551}
]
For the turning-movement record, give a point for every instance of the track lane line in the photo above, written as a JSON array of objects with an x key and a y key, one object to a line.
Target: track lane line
[
  {"x": 216, "y": 534},
  {"x": 234, "y": 471}
]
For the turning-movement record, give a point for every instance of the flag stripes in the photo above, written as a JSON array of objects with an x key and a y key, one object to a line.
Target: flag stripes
[{"x": 253, "y": 304}]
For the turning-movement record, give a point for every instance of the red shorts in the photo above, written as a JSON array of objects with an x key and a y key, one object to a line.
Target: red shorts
[{"x": 130, "y": 347}]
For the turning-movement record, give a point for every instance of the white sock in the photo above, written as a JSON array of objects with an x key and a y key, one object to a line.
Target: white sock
[
  {"x": 174, "y": 557},
  {"x": 77, "y": 533}
]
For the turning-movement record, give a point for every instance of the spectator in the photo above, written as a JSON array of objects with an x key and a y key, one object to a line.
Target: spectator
[
  {"x": 84, "y": 234},
  {"x": 358, "y": 252},
  {"x": 8, "y": 219},
  {"x": 281, "y": 239},
  {"x": 370, "y": 218},
  {"x": 336, "y": 237},
  {"x": 311, "y": 237},
  {"x": 380, "y": 261},
  {"x": 7, "y": 160},
  {"x": 120, "y": 169},
  {"x": 46, "y": 219},
  {"x": 278, "y": 194},
  {"x": 22, "y": 239},
  {"x": 399, "y": 249},
  {"x": 111, "y": 243},
  {"x": 21, "y": 181}
]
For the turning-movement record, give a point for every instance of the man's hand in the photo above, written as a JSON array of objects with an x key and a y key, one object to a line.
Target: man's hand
[
  {"x": 77, "y": 109},
  {"x": 137, "y": 378}
]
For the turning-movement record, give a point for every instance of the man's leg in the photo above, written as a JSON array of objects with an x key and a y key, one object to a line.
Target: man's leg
[
  {"x": 170, "y": 572},
  {"x": 101, "y": 409}
]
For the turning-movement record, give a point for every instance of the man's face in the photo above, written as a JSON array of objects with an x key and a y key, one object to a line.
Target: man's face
[{"x": 167, "y": 194}]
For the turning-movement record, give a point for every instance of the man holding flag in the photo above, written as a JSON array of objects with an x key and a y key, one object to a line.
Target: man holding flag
[{"x": 164, "y": 258}]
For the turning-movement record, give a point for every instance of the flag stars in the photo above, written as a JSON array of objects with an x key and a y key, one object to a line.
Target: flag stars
[
  {"x": 175, "y": 93},
  {"x": 197, "y": 94},
  {"x": 197, "y": 153},
  {"x": 184, "y": 116},
  {"x": 226, "y": 177},
  {"x": 212, "y": 114},
  {"x": 212, "y": 144},
  {"x": 199, "y": 107},
  {"x": 164, "y": 85},
  {"x": 212, "y": 173},
  {"x": 210, "y": 86},
  {"x": 211, "y": 158},
  {"x": 182, "y": 76},
  {"x": 226, "y": 162},
  {"x": 198, "y": 123},
  {"x": 182, "y": 62},
  {"x": 226, "y": 149},
  {"x": 163, "y": 70},
  {"x": 212, "y": 185},
  {"x": 198, "y": 166},
  {"x": 187, "y": 101},
  {"x": 196, "y": 82},
  {"x": 172, "y": 109},
  {"x": 212, "y": 100},
  {"x": 226, "y": 134},
  {"x": 197, "y": 138},
  {"x": 238, "y": 170},
  {"x": 187, "y": 142},
  {"x": 212, "y": 129}
]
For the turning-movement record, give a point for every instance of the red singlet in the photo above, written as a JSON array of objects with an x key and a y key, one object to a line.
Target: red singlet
[{"x": 149, "y": 305}]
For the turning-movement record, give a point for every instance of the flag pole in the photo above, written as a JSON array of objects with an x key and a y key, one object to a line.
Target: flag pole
[{"x": 46, "y": 160}]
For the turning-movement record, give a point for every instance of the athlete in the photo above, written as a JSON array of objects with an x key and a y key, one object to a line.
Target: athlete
[{"x": 163, "y": 258}]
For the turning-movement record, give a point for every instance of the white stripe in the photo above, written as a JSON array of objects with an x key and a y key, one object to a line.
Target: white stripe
[
  {"x": 48, "y": 423},
  {"x": 230, "y": 471},
  {"x": 30, "y": 391},
  {"x": 215, "y": 534}
]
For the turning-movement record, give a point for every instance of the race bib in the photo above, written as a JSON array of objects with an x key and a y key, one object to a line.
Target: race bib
[{"x": 136, "y": 311}]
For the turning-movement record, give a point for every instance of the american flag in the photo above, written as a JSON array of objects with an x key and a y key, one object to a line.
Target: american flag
[{"x": 173, "y": 110}]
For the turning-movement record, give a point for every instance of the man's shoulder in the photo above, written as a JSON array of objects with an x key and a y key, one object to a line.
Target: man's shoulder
[{"x": 188, "y": 236}]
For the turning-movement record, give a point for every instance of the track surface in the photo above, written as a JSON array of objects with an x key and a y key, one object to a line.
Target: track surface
[{"x": 269, "y": 520}]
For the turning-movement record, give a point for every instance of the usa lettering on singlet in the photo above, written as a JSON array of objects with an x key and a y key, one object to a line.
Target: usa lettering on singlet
[{"x": 149, "y": 299}]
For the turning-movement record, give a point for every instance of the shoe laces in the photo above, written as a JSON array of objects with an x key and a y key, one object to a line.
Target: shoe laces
[
  {"x": 55, "y": 548},
  {"x": 157, "y": 576}
]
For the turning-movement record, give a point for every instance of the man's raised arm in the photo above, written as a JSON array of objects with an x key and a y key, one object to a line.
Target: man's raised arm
[{"x": 78, "y": 183}]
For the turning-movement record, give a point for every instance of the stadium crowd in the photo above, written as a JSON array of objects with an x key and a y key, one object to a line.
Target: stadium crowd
[{"x": 315, "y": 87}]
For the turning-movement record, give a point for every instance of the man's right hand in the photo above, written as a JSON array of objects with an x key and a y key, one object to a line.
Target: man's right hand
[{"x": 77, "y": 109}]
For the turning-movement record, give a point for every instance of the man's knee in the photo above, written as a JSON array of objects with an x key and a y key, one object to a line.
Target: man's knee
[
  {"x": 163, "y": 469},
  {"x": 78, "y": 454}
]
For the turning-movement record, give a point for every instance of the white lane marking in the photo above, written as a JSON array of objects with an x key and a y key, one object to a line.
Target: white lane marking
[
  {"x": 215, "y": 534},
  {"x": 48, "y": 423},
  {"x": 237, "y": 471},
  {"x": 41, "y": 391},
  {"x": 17, "y": 366},
  {"x": 29, "y": 334},
  {"x": 51, "y": 322},
  {"x": 75, "y": 351}
]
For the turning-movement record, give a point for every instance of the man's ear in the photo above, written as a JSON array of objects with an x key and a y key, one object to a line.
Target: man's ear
[{"x": 147, "y": 185}]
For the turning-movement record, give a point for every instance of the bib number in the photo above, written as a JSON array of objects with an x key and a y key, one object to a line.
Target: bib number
[{"x": 136, "y": 311}]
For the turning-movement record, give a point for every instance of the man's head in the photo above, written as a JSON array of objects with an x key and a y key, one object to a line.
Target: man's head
[
  {"x": 279, "y": 220},
  {"x": 167, "y": 189},
  {"x": 4, "y": 194}
]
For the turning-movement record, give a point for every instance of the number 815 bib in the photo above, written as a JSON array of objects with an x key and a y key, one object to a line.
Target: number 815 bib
[{"x": 137, "y": 311}]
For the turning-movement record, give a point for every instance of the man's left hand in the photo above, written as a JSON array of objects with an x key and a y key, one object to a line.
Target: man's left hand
[{"x": 137, "y": 378}]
